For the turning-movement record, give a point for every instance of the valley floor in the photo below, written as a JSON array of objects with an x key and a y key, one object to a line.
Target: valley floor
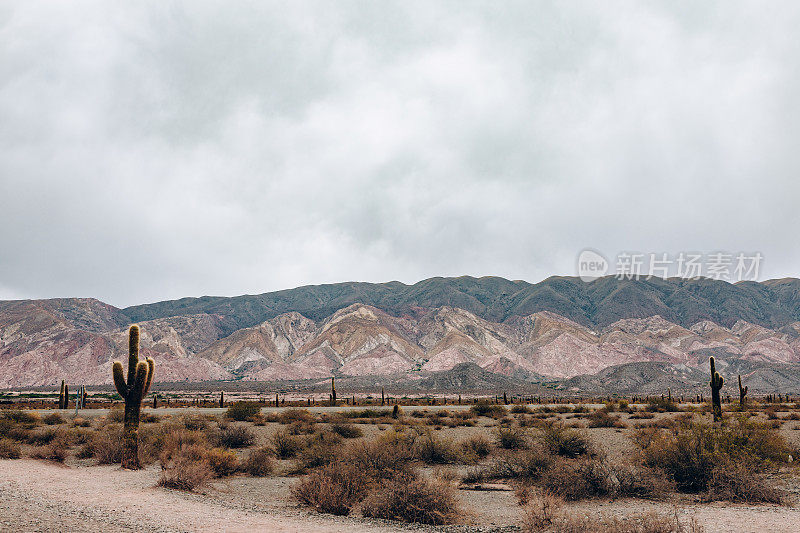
[{"x": 42, "y": 496}]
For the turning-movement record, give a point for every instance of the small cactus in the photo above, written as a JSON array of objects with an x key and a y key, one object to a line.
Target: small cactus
[
  {"x": 140, "y": 377},
  {"x": 716, "y": 384},
  {"x": 742, "y": 393}
]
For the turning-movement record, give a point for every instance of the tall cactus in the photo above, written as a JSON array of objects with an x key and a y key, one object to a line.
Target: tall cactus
[
  {"x": 333, "y": 391},
  {"x": 221, "y": 399},
  {"x": 140, "y": 377},
  {"x": 742, "y": 393},
  {"x": 716, "y": 384},
  {"x": 61, "y": 396}
]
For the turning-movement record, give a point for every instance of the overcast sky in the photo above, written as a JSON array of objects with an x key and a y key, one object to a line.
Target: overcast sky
[{"x": 154, "y": 150}]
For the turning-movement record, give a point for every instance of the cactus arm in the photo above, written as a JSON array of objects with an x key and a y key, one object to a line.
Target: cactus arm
[
  {"x": 151, "y": 366},
  {"x": 133, "y": 354},
  {"x": 119, "y": 379},
  {"x": 140, "y": 381}
]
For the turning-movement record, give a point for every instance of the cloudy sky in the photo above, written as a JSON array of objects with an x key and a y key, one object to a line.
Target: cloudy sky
[{"x": 155, "y": 150}]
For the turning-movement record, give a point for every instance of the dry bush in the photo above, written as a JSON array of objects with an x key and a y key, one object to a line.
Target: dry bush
[
  {"x": 301, "y": 428},
  {"x": 317, "y": 453},
  {"x": 116, "y": 415},
  {"x": 235, "y": 436},
  {"x": 525, "y": 465},
  {"x": 547, "y": 513},
  {"x": 489, "y": 410},
  {"x": 53, "y": 419},
  {"x": 348, "y": 431},
  {"x": 285, "y": 445},
  {"x": 9, "y": 449},
  {"x": 260, "y": 462},
  {"x": 222, "y": 462},
  {"x": 333, "y": 488},
  {"x": 521, "y": 409},
  {"x": 413, "y": 499},
  {"x": 478, "y": 446},
  {"x": 24, "y": 418},
  {"x": 106, "y": 445},
  {"x": 602, "y": 419},
  {"x": 57, "y": 449},
  {"x": 565, "y": 442},
  {"x": 577, "y": 479},
  {"x": 703, "y": 458},
  {"x": 434, "y": 450},
  {"x": 295, "y": 415},
  {"x": 81, "y": 422},
  {"x": 510, "y": 438},
  {"x": 43, "y": 436},
  {"x": 242, "y": 411},
  {"x": 185, "y": 471},
  {"x": 149, "y": 418},
  {"x": 194, "y": 422},
  {"x": 661, "y": 405}
]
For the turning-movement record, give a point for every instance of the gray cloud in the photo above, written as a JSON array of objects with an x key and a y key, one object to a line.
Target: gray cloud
[{"x": 160, "y": 150}]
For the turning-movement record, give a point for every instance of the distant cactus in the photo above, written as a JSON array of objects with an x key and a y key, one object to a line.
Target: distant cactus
[
  {"x": 61, "y": 396},
  {"x": 716, "y": 384},
  {"x": 333, "y": 391},
  {"x": 395, "y": 411},
  {"x": 221, "y": 399},
  {"x": 66, "y": 396},
  {"x": 383, "y": 398},
  {"x": 742, "y": 393},
  {"x": 140, "y": 377},
  {"x": 505, "y": 398}
]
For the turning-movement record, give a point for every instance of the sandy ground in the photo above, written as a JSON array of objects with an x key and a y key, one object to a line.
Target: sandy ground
[{"x": 40, "y": 496}]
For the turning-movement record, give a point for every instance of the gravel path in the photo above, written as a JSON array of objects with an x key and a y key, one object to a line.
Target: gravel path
[{"x": 39, "y": 496}]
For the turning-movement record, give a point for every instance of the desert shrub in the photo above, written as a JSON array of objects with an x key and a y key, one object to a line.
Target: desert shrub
[
  {"x": 236, "y": 436},
  {"x": 106, "y": 445},
  {"x": 510, "y": 438},
  {"x": 260, "y": 462},
  {"x": 9, "y": 449},
  {"x": 601, "y": 419},
  {"x": 285, "y": 445},
  {"x": 525, "y": 465},
  {"x": 295, "y": 415},
  {"x": 242, "y": 411},
  {"x": 432, "y": 449},
  {"x": 348, "y": 431},
  {"x": 81, "y": 422},
  {"x": 700, "y": 457},
  {"x": 521, "y": 409},
  {"x": 301, "y": 428},
  {"x": 174, "y": 439},
  {"x": 319, "y": 451},
  {"x": 17, "y": 416},
  {"x": 53, "y": 419},
  {"x": 184, "y": 471},
  {"x": 413, "y": 500},
  {"x": 149, "y": 418},
  {"x": 577, "y": 479},
  {"x": 51, "y": 452},
  {"x": 546, "y": 512},
  {"x": 490, "y": 410},
  {"x": 660, "y": 405},
  {"x": 222, "y": 462},
  {"x": 194, "y": 422},
  {"x": 477, "y": 445},
  {"x": 43, "y": 436},
  {"x": 565, "y": 442},
  {"x": 367, "y": 413},
  {"x": 383, "y": 458},
  {"x": 333, "y": 488},
  {"x": 116, "y": 415}
]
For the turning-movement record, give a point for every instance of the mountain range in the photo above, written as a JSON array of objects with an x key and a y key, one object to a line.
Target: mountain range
[{"x": 602, "y": 335}]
